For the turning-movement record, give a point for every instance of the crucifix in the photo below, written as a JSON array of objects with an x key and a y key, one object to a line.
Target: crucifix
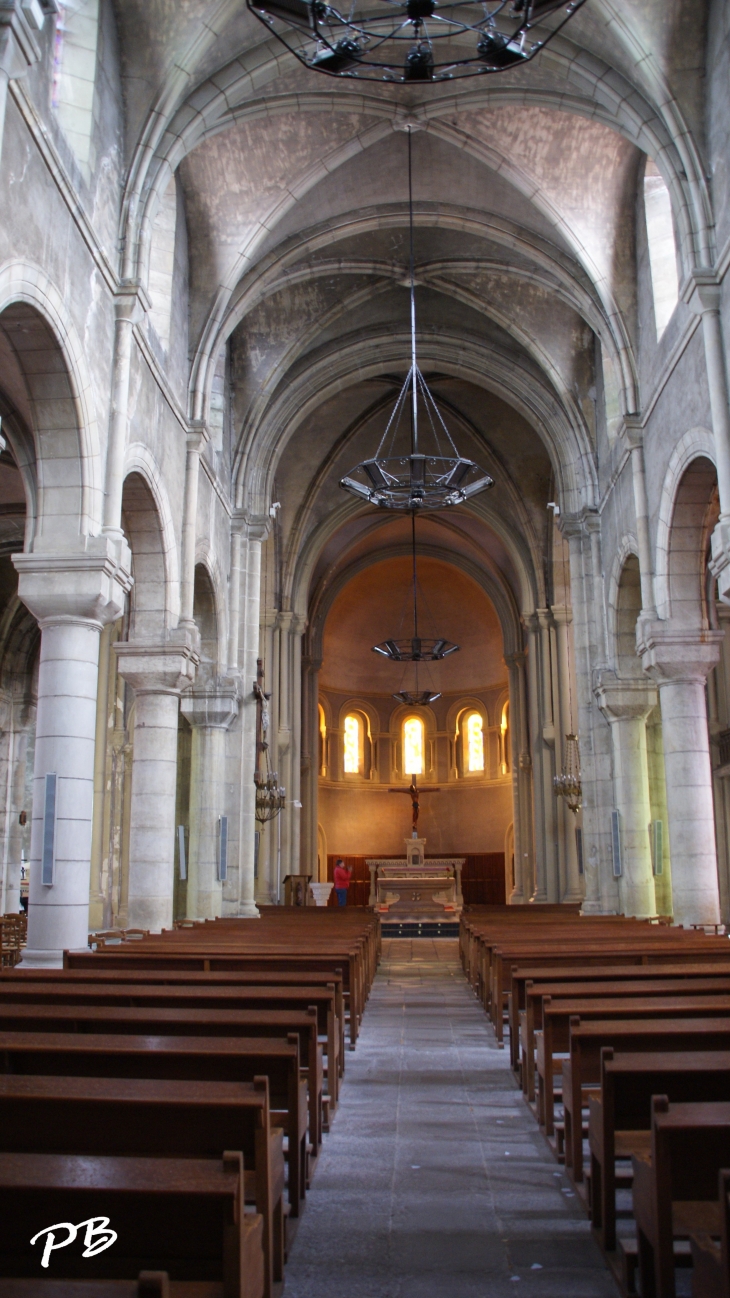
[{"x": 414, "y": 793}]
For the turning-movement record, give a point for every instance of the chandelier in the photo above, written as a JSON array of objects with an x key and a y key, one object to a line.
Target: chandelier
[
  {"x": 270, "y": 797},
  {"x": 417, "y": 648},
  {"x": 413, "y": 40},
  {"x": 568, "y": 784},
  {"x": 423, "y": 479}
]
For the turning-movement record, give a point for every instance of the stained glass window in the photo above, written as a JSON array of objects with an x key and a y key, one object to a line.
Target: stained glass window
[
  {"x": 474, "y": 743},
  {"x": 413, "y": 747},
  {"x": 352, "y": 745}
]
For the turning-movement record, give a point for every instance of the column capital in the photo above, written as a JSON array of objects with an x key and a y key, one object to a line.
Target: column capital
[
  {"x": 159, "y": 667},
  {"x": 672, "y": 654},
  {"x": 515, "y": 660},
  {"x": 621, "y": 700},
  {"x": 197, "y": 435},
  {"x": 562, "y": 614},
  {"x": 544, "y": 618},
  {"x": 702, "y": 291},
  {"x": 131, "y": 302},
  {"x": 314, "y": 664},
  {"x": 573, "y": 526},
  {"x": 19, "y": 48},
  {"x": 89, "y": 582},
  {"x": 254, "y": 527},
  {"x": 213, "y": 705},
  {"x": 631, "y": 431}
]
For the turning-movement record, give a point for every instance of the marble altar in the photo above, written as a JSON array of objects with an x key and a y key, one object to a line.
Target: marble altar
[{"x": 415, "y": 887}]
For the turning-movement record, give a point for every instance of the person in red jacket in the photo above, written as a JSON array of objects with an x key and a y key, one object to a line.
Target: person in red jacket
[{"x": 343, "y": 874}]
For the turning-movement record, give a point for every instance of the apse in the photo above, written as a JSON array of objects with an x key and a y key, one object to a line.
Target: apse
[{"x": 372, "y": 743}]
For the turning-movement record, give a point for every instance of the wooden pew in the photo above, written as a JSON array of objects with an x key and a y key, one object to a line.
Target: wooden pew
[
  {"x": 185, "y": 1214},
  {"x": 679, "y": 967},
  {"x": 711, "y": 1258},
  {"x": 535, "y": 993},
  {"x": 183, "y": 1022},
  {"x": 143, "y": 955},
  {"x": 149, "y": 1284},
  {"x": 675, "y": 1186},
  {"x": 582, "y": 1070},
  {"x": 554, "y": 1039},
  {"x": 182, "y": 978},
  {"x": 620, "y": 1114},
  {"x": 119, "y": 994},
  {"x": 189, "y": 1059}
]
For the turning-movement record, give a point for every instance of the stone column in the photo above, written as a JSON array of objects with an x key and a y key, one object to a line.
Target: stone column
[
  {"x": 515, "y": 667},
  {"x": 253, "y": 533},
  {"x": 73, "y": 595},
  {"x": 130, "y": 305},
  {"x": 626, "y": 704},
  {"x": 210, "y": 712},
  {"x": 196, "y": 438},
  {"x": 19, "y": 48},
  {"x": 310, "y": 763},
  {"x": 534, "y": 693},
  {"x": 704, "y": 295},
  {"x": 572, "y": 888},
  {"x": 157, "y": 672},
  {"x": 678, "y": 660}
]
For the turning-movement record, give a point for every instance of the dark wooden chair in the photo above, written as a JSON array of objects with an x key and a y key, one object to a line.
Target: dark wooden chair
[{"x": 711, "y": 1257}]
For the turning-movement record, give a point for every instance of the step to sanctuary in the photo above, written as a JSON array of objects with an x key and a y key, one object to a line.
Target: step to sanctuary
[{"x": 425, "y": 928}]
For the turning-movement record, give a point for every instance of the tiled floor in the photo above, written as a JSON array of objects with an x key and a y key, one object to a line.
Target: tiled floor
[{"x": 434, "y": 1181}]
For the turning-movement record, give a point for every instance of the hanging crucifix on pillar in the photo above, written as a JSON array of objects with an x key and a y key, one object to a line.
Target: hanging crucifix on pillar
[{"x": 270, "y": 797}]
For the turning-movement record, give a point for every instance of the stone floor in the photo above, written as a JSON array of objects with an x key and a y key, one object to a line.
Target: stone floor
[{"x": 434, "y": 1181}]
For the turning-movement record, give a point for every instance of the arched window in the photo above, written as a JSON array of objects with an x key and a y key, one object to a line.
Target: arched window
[
  {"x": 474, "y": 736},
  {"x": 662, "y": 252},
  {"x": 162, "y": 263},
  {"x": 504, "y": 736},
  {"x": 322, "y": 739},
  {"x": 74, "y": 73},
  {"x": 352, "y": 745},
  {"x": 413, "y": 746}
]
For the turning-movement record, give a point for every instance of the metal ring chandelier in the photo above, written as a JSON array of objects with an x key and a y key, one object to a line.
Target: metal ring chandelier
[
  {"x": 421, "y": 480},
  {"x": 413, "y": 40}
]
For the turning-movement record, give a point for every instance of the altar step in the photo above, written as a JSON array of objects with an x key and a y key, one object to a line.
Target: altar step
[{"x": 412, "y": 928}]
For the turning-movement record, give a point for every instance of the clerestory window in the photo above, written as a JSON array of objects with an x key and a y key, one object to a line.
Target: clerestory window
[
  {"x": 662, "y": 251},
  {"x": 413, "y": 746}
]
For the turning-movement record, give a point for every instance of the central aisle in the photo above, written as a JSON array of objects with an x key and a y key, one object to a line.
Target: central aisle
[{"x": 434, "y": 1181}]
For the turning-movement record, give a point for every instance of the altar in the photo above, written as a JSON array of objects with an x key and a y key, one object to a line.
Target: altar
[{"x": 416, "y": 887}]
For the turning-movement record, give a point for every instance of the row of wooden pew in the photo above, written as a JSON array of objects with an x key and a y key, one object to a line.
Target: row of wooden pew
[
  {"x": 619, "y": 1035},
  {"x": 173, "y": 1089}
]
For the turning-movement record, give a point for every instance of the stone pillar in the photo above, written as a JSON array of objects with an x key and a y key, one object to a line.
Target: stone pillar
[
  {"x": 678, "y": 660},
  {"x": 73, "y": 595},
  {"x": 157, "y": 672},
  {"x": 633, "y": 435},
  {"x": 310, "y": 764},
  {"x": 19, "y": 48},
  {"x": 515, "y": 667},
  {"x": 253, "y": 533},
  {"x": 626, "y": 704},
  {"x": 571, "y": 885},
  {"x": 210, "y": 712},
  {"x": 129, "y": 306},
  {"x": 532, "y": 624},
  {"x": 704, "y": 295},
  {"x": 196, "y": 438}
]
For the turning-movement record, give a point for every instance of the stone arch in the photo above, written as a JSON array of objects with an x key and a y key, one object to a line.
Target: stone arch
[
  {"x": 694, "y": 444},
  {"x": 141, "y": 464},
  {"x": 626, "y": 610},
  {"x": 55, "y": 396},
  {"x": 141, "y": 523},
  {"x": 696, "y": 510}
]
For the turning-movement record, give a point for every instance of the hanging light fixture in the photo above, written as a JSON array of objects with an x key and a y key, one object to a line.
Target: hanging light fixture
[
  {"x": 568, "y": 785},
  {"x": 270, "y": 797},
  {"x": 414, "y": 40},
  {"x": 432, "y": 479},
  {"x": 417, "y": 649}
]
